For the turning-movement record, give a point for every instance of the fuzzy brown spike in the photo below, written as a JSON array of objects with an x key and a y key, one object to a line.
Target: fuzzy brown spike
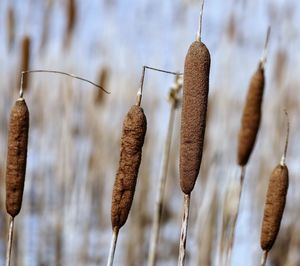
[
  {"x": 16, "y": 156},
  {"x": 274, "y": 206},
  {"x": 134, "y": 130},
  {"x": 193, "y": 116},
  {"x": 251, "y": 116}
]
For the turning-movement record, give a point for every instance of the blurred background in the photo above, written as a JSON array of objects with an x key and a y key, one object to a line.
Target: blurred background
[{"x": 75, "y": 129}]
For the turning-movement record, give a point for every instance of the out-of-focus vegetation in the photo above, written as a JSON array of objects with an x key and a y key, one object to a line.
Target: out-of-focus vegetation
[{"x": 74, "y": 130}]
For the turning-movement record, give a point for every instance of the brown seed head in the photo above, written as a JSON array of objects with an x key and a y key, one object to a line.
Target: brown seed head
[
  {"x": 134, "y": 130},
  {"x": 16, "y": 156},
  {"x": 274, "y": 206},
  {"x": 251, "y": 116},
  {"x": 193, "y": 116}
]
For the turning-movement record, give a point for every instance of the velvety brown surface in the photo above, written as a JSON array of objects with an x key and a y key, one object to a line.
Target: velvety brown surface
[
  {"x": 251, "y": 116},
  {"x": 134, "y": 130},
  {"x": 274, "y": 206},
  {"x": 16, "y": 157},
  {"x": 193, "y": 116}
]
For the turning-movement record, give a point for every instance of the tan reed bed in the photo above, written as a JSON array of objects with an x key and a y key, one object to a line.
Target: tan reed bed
[
  {"x": 16, "y": 164},
  {"x": 173, "y": 101},
  {"x": 250, "y": 123},
  {"x": 275, "y": 203},
  {"x": 132, "y": 140},
  {"x": 193, "y": 122}
]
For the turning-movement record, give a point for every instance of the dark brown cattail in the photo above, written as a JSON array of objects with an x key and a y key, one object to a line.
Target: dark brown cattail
[
  {"x": 193, "y": 116},
  {"x": 274, "y": 206},
  {"x": 275, "y": 202},
  {"x": 25, "y": 59},
  {"x": 134, "y": 130},
  {"x": 16, "y": 156},
  {"x": 251, "y": 116}
]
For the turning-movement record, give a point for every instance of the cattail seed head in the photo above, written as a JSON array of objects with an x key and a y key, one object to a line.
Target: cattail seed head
[
  {"x": 193, "y": 116},
  {"x": 251, "y": 116},
  {"x": 274, "y": 206},
  {"x": 16, "y": 156},
  {"x": 133, "y": 135}
]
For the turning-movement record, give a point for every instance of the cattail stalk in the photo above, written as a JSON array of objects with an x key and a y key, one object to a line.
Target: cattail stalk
[
  {"x": 184, "y": 229},
  {"x": 163, "y": 174},
  {"x": 9, "y": 241},
  {"x": 133, "y": 135},
  {"x": 193, "y": 123},
  {"x": 275, "y": 203},
  {"x": 249, "y": 128},
  {"x": 113, "y": 245},
  {"x": 25, "y": 59}
]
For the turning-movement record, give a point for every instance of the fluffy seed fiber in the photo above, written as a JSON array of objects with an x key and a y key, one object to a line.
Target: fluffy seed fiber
[
  {"x": 134, "y": 130},
  {"x": 251, "y": 116},
  {"x": 16, "y": 157},
  {"x": 274, "y": 206},
  {"x": 193, "y": 116}
]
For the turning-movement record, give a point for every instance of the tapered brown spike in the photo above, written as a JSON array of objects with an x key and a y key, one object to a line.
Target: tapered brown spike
[
  {"x": 134, "y": 130},
  {"x": 274, "y": 206},
  {"x": 193, "y": 116},
  {"x": 251, "y": 116},
  {"x": 16, "y": 156}
]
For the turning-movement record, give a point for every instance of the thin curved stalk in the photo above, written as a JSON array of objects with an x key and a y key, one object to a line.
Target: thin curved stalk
[
  {"x": 9, "y": 242},
  {"x": 113, "y": 246}
]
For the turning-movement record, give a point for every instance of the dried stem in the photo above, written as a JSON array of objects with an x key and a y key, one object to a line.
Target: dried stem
[
  {"x": 184, "y": 228},
  {"x": 9, "y": 241},
  {"x": 286, "y": 140},
  {"x": 140, "y": 91},
  {"x": 235, "y": 217},
  {"x": 265, "y": 50},
  {"x": 56, "y": 72},
  {"x": 198, "y": 36},
  {"x": 163, "y": 174},
  {"x": 113, "y": 246},
  {"x": 264, "y": 258}
]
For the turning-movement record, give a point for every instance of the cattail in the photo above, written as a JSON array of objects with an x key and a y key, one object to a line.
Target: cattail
[
  {"x": 193, "y": 122},
  {"x": 250, "y": 123},
  {"x": 274, "y": 204},
  {"x": 16, "y": 164},
  {"x": 16, "y": 156},
  {"x": 193, "y": 117},
  {"x": 251, "y": 116},
  {"x": 134, "y": 130},
  {"x": 25, "y": 59}
]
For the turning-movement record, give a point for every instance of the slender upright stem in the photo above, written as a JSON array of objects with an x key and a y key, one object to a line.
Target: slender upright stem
[
  {"x": 161, "y": 185},
  {"x": 113, "y": 246},
  {"x": 9, "y": 242},
  {"x": 235, "y": 217},
  {"x": 287, "y": 139},
  {"x": 264, "y": 258},
  {"x": 265, "y": 50},
  {"x": 184, "y": 229},
  {"x": 198, "y": 36}
]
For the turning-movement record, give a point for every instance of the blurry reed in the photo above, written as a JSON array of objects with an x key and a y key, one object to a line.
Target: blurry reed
[{"x": 25, "y": 60}]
